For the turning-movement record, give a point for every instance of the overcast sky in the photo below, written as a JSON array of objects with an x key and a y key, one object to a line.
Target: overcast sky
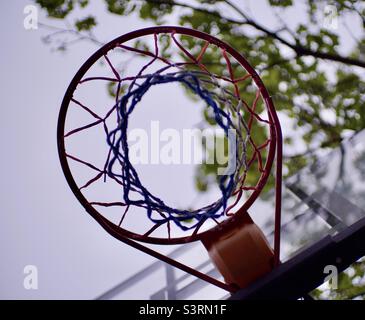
[{"x": 42, "y": 222}]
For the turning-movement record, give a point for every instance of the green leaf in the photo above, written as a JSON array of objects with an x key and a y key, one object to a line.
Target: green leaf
[
  {"x": 85, "y": 24},
  {"x": 155, "y": 11},
  {"x": 83, "y": 3},
  {"x": 57, "y": 8},
  {"x": 281, "y": 3},
  {"x": 120, "y": 7}
]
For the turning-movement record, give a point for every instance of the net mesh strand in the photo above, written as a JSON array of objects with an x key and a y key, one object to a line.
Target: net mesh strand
[{"x": 207, "y": 86}]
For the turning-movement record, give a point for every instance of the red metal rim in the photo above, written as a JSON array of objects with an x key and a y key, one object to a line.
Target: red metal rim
[{"x": 113, "y": 229}]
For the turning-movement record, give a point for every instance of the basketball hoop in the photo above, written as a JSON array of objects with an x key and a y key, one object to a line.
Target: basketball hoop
[{"x": 239, "y": 101}]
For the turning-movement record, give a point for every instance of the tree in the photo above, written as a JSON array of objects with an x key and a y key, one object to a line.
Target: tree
[
  {"x": 293, "y": 61},
  {"x": 315, "y": 79}
]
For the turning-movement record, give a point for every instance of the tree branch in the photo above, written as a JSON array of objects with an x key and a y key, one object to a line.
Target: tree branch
[
  {"x": 273, "y": 64},
  {"x": 80, "y": 36},
  {"x": 237, "y": 9},
  {"x": 298, "y": 49},
  {"x": 195, "y": 8},
  {"x": 302, "y": 51}
]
